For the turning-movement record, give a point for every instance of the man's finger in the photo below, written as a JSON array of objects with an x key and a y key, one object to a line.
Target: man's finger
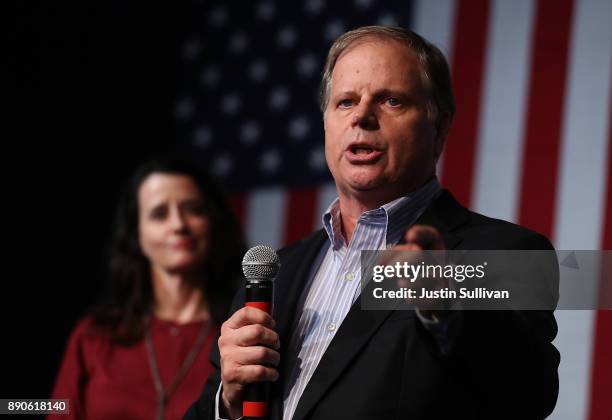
[
  {"x": 426, "y": 237},
  {"x": 249, "y": 316},
  {"x": 259, "y": 355},
  {"x": 256, "y": 334},
  {"x": 257, "y": 373}
]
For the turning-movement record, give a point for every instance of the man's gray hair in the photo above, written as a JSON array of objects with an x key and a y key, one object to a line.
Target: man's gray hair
[{"x": 434, "y": 68}]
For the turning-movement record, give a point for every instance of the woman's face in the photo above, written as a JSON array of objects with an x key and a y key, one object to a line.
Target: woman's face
[{"x": 174, "y": 229}]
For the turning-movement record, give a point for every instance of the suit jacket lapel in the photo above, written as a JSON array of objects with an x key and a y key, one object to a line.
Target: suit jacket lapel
[
  {"x": 354, "y": 332},
  {"x": 291, "y": 280},
  {"x": 445, "y": 214}
]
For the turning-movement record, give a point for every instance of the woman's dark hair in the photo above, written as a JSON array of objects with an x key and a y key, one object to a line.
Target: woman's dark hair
[{"x": 124, "y": 315}]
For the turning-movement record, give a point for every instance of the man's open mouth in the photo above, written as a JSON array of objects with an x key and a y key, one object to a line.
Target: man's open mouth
[{"x": 362, "y": 153}]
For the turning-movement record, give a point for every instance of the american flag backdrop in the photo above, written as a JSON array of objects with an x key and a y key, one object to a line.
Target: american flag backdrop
[{"x": 531, "y": 141}]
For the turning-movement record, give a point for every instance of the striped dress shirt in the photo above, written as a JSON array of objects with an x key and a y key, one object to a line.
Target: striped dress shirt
[{"x": 334, "y": 282}]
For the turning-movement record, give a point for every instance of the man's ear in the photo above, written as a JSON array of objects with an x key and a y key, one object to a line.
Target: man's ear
[{"x": 442, "y": 128}]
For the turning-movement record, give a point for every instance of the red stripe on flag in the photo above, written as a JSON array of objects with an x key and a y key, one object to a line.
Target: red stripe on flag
[
  {"x": 299, "y": 214},
  {"x": 601, "y": 377},
  {"x": 238, "y": 204},
  {"x": 471, "y": 32},
  {"x": 544, "y": 114}
]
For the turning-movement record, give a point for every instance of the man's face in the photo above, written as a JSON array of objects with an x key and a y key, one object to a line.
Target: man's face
[{"x": 378, "y": 137}]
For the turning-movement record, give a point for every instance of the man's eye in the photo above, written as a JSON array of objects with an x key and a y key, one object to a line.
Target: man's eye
[
  {"x": 345, "y": 103},
  {"x": 394, "y": 102}
]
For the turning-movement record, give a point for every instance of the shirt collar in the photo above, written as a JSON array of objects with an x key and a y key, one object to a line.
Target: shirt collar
[{"x": 396, "y": 215}]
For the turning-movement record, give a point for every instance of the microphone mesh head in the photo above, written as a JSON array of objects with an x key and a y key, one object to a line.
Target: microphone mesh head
[{"x": 260, "y": 262}]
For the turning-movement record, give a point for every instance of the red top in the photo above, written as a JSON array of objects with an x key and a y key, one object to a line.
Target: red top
[{"x": 105, "y": 381}]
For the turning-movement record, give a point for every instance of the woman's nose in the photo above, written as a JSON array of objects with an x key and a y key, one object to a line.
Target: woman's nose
[{"x": 177, "y": 219}]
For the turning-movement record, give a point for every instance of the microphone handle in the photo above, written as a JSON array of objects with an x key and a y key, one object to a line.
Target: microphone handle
[{"x": 259, "y": 294}]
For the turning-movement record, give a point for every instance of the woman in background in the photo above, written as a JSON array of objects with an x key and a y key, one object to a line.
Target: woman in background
[{"x": 175, "y": 265}]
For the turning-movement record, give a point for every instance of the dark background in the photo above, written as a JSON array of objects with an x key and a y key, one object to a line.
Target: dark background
[{"x": 93, "y": 89}]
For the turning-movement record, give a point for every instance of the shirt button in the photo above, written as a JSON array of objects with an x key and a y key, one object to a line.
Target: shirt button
[
  {"x": 174, "y": 331},
  {"x": 350, "y": 276},
  {"x": 331, "y": 326}
]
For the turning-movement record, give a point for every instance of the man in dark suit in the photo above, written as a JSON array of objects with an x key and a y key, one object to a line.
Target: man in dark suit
[{"x": 388, "y": 105}]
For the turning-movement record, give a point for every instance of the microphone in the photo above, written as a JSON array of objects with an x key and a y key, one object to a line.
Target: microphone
[{"x": 260, "y": 266}]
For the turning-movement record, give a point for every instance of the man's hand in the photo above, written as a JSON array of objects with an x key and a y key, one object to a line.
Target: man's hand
[
  {"x": 248, "y": 347},
  {"x": 421, "y": 238}
]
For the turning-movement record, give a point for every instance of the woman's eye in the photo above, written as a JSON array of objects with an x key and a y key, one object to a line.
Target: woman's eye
[
  {"x": 158, "y": 213},
  {"x": 197, "y": 209}
]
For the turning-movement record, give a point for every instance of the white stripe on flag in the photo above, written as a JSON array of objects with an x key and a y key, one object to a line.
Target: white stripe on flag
[
  {"x": 582, "y": 181},
  {"x": 266, "y": 217},
  {"x": 326, "y": 194},
  {"x": 435, "y": 21},
  {"x": 574, "y": 341},
  {"x": 501, "y": 130},
  {"x": 581, "y": 187}
]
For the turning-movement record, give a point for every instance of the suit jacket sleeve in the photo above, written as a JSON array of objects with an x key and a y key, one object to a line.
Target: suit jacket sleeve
[{"x": 508, "y": 356}]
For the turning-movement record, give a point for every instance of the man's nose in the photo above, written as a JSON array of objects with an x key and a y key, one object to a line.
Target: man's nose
[{"x": 365, "y": 117}]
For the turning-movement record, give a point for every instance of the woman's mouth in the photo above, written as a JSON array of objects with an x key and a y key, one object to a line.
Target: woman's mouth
[{"x": 183, "y": 244}]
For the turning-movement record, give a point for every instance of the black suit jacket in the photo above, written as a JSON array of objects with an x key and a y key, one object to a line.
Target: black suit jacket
[{"x": 386, "y": 365}]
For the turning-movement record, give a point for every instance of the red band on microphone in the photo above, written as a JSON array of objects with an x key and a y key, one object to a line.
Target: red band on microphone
[
  {"x": 264, "y": 306},
  {"x": 254, "y": 409}
]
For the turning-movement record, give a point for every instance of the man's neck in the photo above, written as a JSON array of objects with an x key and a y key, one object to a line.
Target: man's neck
[{"x": 353, "y": 204}]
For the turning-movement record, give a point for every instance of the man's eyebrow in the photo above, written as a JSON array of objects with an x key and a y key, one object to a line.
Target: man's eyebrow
[
  {"x": 379, "y": 94},
  {"x": 345, "y": 93},
  {"x": 392, "y": 92}
]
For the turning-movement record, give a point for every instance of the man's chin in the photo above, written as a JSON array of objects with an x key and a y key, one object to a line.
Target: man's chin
[
  {"x": 365, "y": 179},
  {"x": 366, "y": 185}
]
